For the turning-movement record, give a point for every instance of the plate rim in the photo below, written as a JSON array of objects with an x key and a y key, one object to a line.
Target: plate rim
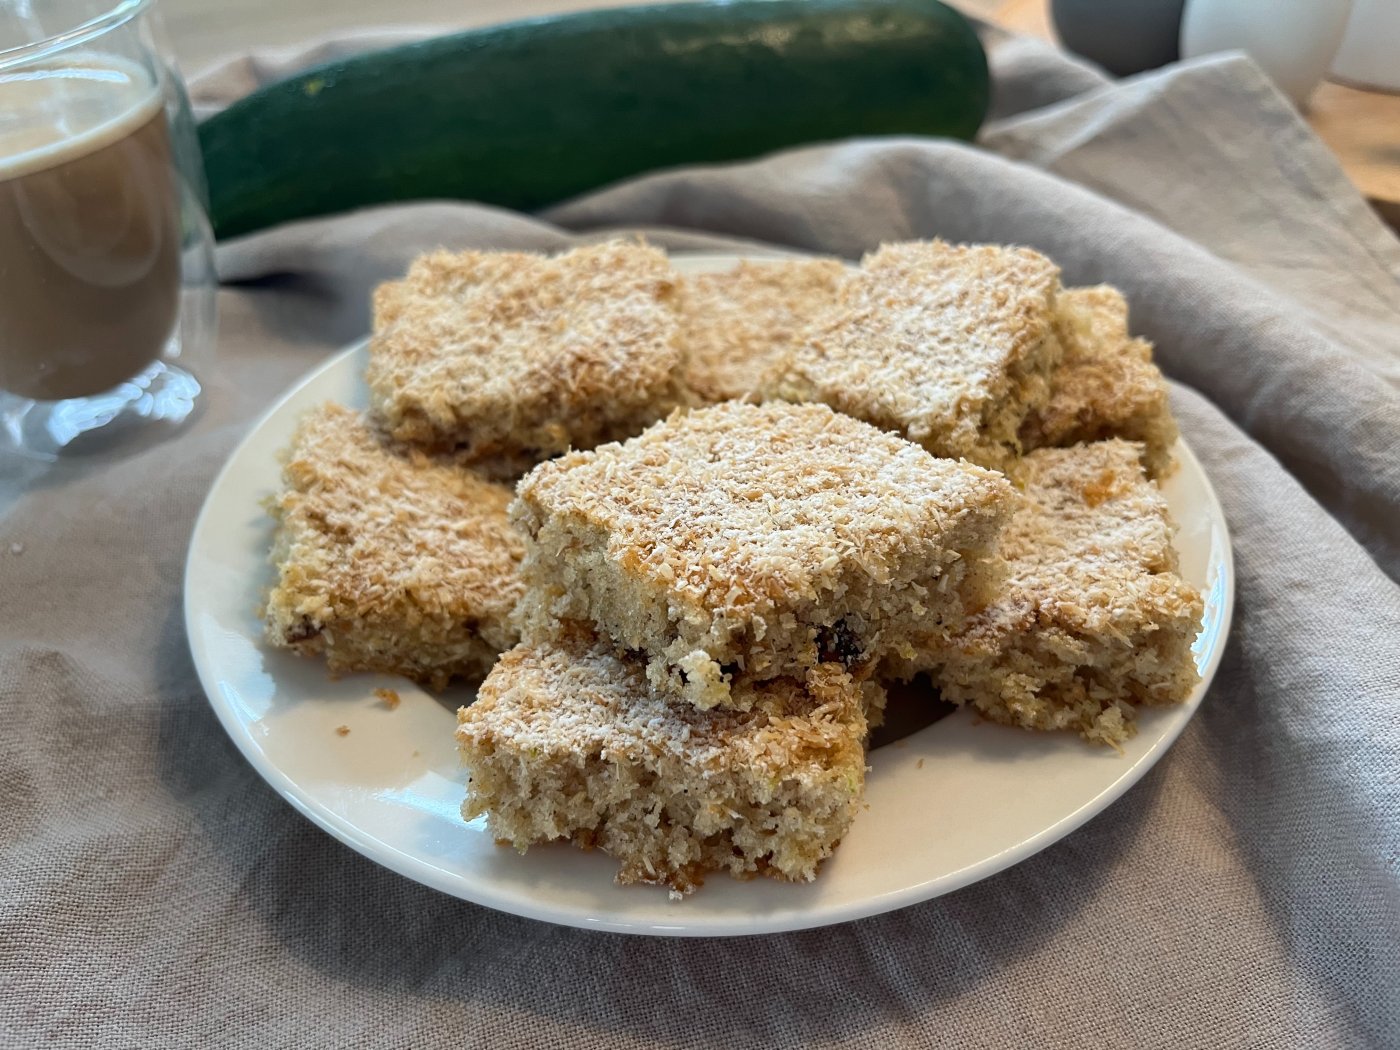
[{"x": 409, "y": 866}]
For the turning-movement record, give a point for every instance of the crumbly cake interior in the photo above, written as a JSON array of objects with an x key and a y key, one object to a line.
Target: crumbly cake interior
[
  {"x": 738, "y": 324},
  {"x": 511, "y": 357},
  {"x": 570, "y": 742},
  {"x": 387, "y": 559},
  {"x": 755, "y": 541},
  {"x": 1093, "y": 618},
  {"x": 1107, "y": 385},
  {"x": 948, "y": 345}
]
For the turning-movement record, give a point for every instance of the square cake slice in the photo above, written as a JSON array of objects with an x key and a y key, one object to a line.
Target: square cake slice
[
  {"x": 738, "y": 324},
  {"x": 1093, "y": 618},
  {"x": 948, "y": 345},
  {"x": 388, "y": 560},
  {"x": 1107, "y": 385},
  {"x": 510, "y": 357},
  {"x": 570, "y": 742},
  {"x": 756, "y": 541}
]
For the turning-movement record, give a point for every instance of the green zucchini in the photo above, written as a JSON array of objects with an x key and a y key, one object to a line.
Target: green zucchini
[{"x": 527, "y": 114}]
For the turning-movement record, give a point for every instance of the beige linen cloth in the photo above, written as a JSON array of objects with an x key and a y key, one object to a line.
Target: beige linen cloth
[{"x": 1245, "y": 894}]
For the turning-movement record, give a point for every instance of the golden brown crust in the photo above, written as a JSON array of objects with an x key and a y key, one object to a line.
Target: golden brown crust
[
  {"x": 750, "y": 539},
  {"x": 1094, "y": 617},
  {"x": 1107, "y": 385},
  {"x": 511, "y": 357},
  {"x": 389, "y": 560},
  {"x": 737, "y": 325},
  {"x": 948, "y": 345},
  {"x": 570, "y": 742}
]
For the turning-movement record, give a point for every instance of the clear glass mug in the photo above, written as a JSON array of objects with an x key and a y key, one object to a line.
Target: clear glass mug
[{"x": 107, "y": 286}]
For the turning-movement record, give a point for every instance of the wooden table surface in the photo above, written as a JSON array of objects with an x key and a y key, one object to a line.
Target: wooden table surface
[{"x": 1362, "y": 127}]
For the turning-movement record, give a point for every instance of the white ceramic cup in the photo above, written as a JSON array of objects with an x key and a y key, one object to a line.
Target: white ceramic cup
[{"x": 1294, "y": 41}]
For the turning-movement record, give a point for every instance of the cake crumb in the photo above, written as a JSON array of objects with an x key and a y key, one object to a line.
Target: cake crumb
[
  {"x": 342, "y": 730},
  {"x": 919, "y": 764},
  {"x": 387, "y": 697}
]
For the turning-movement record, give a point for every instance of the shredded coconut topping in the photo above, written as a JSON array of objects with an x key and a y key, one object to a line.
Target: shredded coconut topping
[
  {"x": 1091, "y": 547},
  {"x": 738, "y": 324},
  {"x": 949, "y": 345},
  {"x": 387, "y": 558},
  {"x": 751, "y": 506},
  {"x": 512, "y": 354},
  {"x": 580, "y": 700},
  {"x": 1093, "y": 617}
]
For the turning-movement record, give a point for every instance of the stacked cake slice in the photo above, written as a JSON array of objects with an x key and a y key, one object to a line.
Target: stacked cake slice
[
  {"x": 704, "y": 605},
  {"x": 756, "y": 541}
]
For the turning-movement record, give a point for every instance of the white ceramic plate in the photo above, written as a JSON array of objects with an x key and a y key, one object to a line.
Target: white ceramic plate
[{"x": 953, "y": 803}]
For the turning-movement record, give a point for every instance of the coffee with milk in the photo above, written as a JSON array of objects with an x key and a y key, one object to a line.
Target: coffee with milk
[{"x": 89, "y": 228}]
